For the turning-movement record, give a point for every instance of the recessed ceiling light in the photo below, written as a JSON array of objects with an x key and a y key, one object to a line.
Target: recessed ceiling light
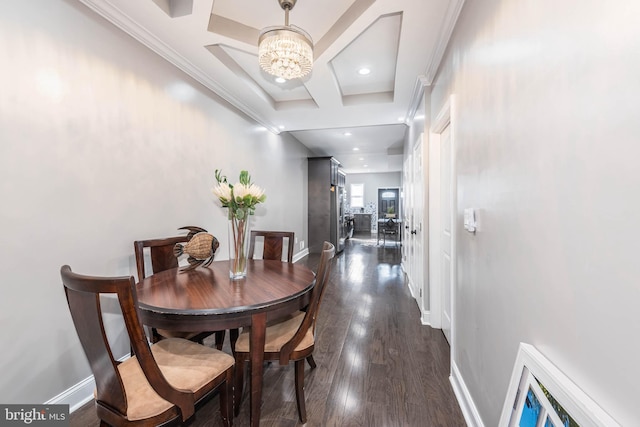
[
  {"x": 361, "y": 158},
  {"x": 355, "y": 149},
  {"x": 347, "y": 134},
  {"x": 366, "y": 166},
  {"x": 280, "y": 127},
  {"x": 401, "y": 119},
  {"x": 364, "y": 71},
  {"x": 280, "y": 80}
]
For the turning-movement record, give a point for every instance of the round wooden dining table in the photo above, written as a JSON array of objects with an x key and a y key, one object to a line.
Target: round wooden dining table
[{"x": 206, "y": 299}]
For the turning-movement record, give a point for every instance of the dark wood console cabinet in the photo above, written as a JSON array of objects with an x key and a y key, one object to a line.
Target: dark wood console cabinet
[{"x": 362, "y": 222}]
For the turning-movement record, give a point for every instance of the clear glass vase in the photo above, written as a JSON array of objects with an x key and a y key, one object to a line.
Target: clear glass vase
[{"x": 238, "y": 244}]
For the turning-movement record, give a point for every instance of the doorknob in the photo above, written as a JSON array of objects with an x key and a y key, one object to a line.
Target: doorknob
[{"x": 414, "y": 231}]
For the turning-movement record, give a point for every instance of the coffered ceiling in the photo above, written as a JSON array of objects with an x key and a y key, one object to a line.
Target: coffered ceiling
[{"x": 333, "y": 111}]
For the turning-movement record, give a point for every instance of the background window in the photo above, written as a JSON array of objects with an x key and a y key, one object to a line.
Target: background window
[{"x": 357, "y": 195}]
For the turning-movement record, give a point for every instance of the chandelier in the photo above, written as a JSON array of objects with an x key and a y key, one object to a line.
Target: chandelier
[{"x": 285, "y": 51}]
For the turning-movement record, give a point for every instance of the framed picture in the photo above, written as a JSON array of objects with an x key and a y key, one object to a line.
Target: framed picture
[{"x": 540, "y": 395}]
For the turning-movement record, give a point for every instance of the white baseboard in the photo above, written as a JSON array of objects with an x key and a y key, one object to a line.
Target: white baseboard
[
  {"x": 425, "y": 318},
  {"x": 467, "y": 406},
  {"x": 425, "y": 315},
  {"x": 412, "y": 290},
  {"x": 303, "y": 253},
  {"x": 76, "y": 396}
]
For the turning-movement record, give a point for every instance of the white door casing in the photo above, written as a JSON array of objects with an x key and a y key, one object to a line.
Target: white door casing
[
  {"x": 416, "y": 231},
  {"x": 435, "y": 299},
  {"x": 446, "y": 226},
  {"x": 442, "y": 232},
  {"x": 408, "y": 243},
  {"x": 412, "y": 244}
]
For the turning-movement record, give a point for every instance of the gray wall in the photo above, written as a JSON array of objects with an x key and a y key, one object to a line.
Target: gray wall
[
  {"x": 547, "y": 96},
  {"x": 102, "y": 142}
]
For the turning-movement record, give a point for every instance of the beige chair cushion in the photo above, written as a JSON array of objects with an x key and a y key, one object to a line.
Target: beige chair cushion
[
  {"x": 185, "y": 365},
  {"x": 166, "y": 333},
  {"x": 278, "y": 334}
]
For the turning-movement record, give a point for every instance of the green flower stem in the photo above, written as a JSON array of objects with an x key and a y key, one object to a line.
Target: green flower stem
[{"x": 239, "y": 231}]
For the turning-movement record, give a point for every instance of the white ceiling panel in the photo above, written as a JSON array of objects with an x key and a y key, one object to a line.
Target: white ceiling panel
[{"x": 376, "y": 49}]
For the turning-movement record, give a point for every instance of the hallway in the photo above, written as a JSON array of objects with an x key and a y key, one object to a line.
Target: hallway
[{"x": 377, "y": 365}]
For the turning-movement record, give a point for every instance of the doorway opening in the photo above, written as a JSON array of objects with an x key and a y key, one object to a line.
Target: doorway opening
[{"x": 388, "y": 203}]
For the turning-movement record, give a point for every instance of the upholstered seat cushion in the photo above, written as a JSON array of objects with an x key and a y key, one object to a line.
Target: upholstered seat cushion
[
  {"x": 278, "y": 334},
  {"x": 166, "y": 333},
  {"x": 185, "y": 365}
]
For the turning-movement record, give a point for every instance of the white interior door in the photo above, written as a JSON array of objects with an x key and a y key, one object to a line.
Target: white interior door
[
  {"x": 416, "y": 233},
  {"x": 446, "y": 227},
  {"x": 407, "y": 211}
]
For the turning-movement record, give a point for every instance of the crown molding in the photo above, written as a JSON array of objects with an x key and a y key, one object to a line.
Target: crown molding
[
  {"x": 453, "y": 11},
  {"x": 448, "y": 24},
  {"x": 118, "y": 18},
  {"x": 416, "y": 96}
]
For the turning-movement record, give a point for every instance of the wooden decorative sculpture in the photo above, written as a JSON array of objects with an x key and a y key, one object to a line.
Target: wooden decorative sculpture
[{"x": 201, "y": 247}]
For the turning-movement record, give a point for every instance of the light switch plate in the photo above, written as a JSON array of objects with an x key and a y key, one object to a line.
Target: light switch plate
[{"x": 470, "y": 220}]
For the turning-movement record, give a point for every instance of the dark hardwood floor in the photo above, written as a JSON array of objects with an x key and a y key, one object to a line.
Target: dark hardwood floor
[{"x": 377, "y": 365}]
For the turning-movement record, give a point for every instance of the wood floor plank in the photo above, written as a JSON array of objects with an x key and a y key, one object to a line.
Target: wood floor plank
[{"x": 377, "y": 365}]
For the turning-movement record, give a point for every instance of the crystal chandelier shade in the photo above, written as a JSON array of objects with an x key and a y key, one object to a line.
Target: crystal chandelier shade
[{"x": 285, "y": 51}]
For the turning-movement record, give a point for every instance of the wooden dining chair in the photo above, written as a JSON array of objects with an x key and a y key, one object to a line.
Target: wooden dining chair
[
  {"x": 160, "y": 383},
  {"x": 163, "y": 258},
  {"x": 272, "y": 249},
  {"x": 289, "y": 339},
  {"x": 273, "y": 244}
]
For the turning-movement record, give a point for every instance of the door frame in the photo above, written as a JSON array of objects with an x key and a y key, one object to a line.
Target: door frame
[
  {"x": 416, "y": 231},
  {"x": 399, "y": 209},
  {"x": 446, "y": 117}
]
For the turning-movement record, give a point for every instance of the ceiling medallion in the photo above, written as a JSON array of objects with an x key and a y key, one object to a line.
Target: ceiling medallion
[{"x": 285, "y": 51}]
